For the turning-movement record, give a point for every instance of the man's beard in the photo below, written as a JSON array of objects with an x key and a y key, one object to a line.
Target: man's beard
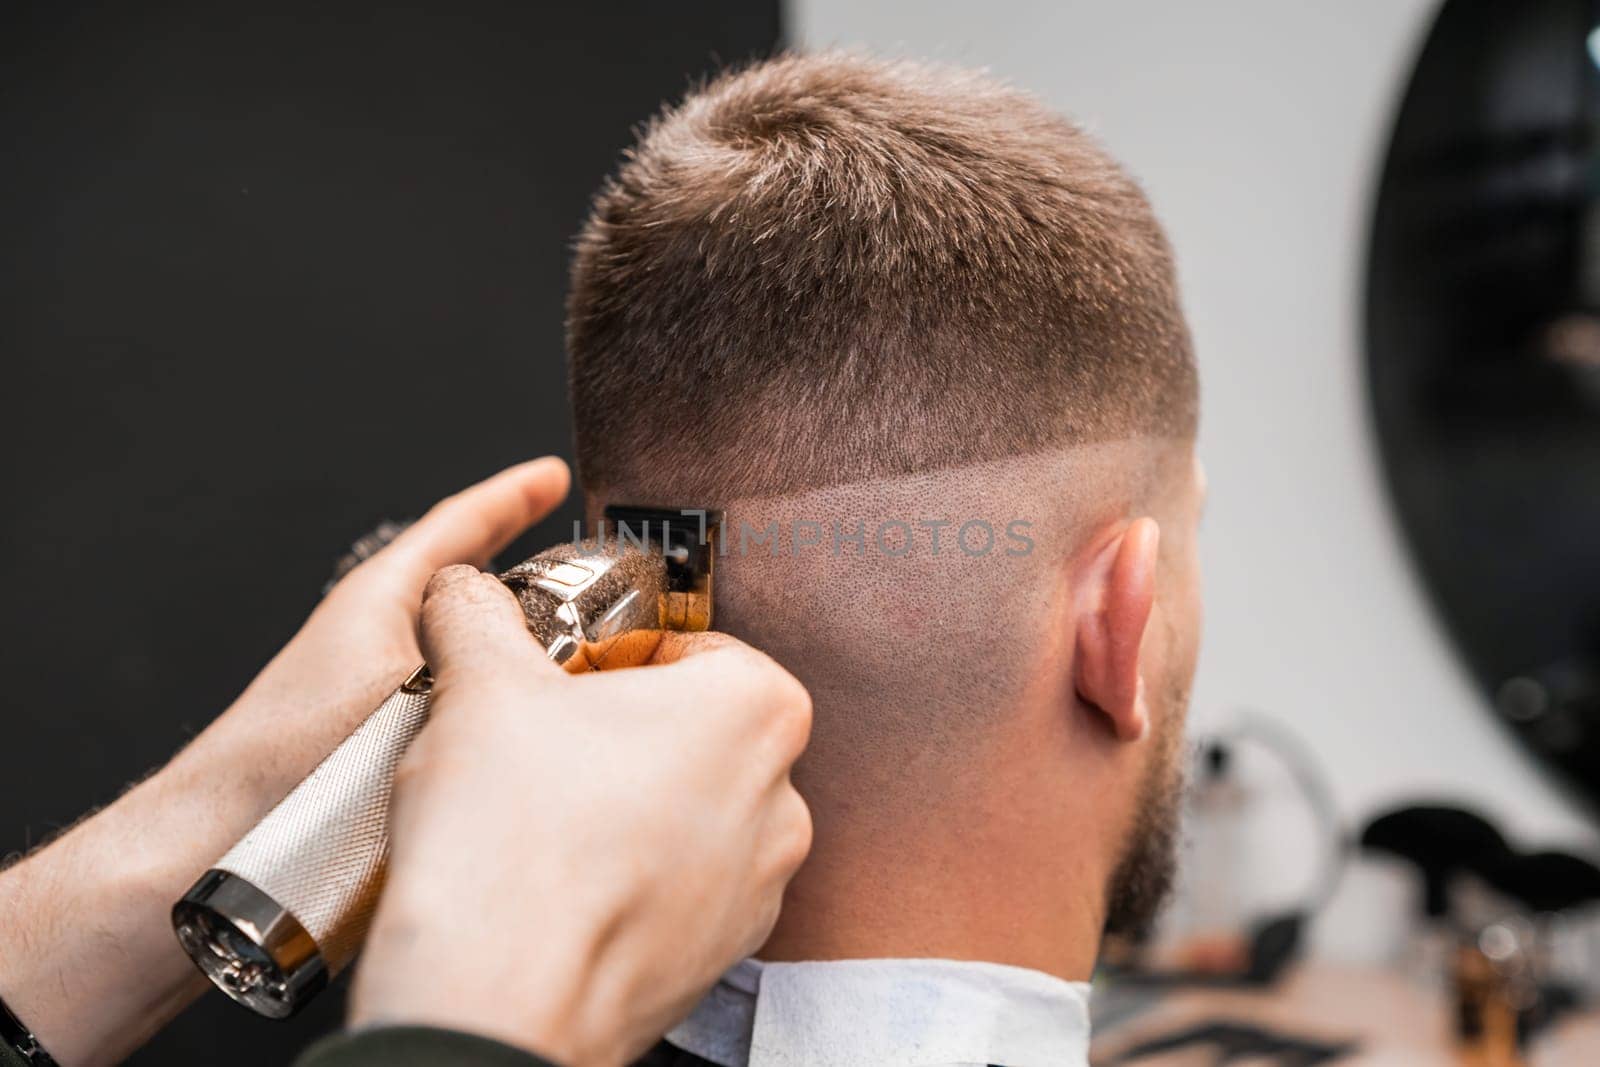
[{"x": 1144, "y": 876}]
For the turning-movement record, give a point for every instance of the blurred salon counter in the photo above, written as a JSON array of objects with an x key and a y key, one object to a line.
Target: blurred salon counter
[{"x": 1387, "y": 1018}]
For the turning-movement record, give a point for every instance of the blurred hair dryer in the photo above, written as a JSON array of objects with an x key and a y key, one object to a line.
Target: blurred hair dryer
[{"x": 287, "y": 907}]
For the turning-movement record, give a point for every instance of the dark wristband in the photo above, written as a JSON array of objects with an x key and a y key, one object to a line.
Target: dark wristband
[{"x": 20, "y": 1040}]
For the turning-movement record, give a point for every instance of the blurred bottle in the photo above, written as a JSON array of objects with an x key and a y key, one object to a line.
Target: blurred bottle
[{"x": 1207, "y": 929}]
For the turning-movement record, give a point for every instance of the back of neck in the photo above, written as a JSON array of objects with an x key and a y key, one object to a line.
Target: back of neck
[{"x": 957, "y": 884}]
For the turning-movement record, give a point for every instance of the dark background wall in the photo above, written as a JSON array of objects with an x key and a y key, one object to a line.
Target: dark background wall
[{"x": 266, "y": 277}]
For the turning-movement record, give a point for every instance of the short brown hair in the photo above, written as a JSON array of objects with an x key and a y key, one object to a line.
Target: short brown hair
[{"x": 827, "y": 268}]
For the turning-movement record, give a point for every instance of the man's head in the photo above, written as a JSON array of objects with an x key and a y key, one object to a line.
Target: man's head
[{"x": 831, "y": 294}]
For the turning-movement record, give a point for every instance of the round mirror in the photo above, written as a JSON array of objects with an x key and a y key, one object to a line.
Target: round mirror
[{"x": 1483, "y": 330}]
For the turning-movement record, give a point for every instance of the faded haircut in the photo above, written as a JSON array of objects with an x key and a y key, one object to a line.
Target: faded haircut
[{"x": 827, "y": 268}]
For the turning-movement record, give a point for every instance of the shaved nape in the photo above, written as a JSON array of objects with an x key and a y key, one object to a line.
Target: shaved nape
[{"x": 918, "y": 608}]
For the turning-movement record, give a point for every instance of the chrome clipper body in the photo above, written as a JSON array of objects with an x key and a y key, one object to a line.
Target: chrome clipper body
[{"x": 287, "y": 908}]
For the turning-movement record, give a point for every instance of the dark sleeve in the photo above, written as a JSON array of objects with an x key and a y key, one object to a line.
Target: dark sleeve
[
  {"x": 415, "y": 1046},
  {"x": 668, "y": 1055}
]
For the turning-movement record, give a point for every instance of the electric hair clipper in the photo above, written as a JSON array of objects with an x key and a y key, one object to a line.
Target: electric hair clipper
[{"x": 287, "y": 908}]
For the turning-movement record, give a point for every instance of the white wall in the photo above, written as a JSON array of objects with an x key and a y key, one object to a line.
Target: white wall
[{"x": 1258, "y": 128}]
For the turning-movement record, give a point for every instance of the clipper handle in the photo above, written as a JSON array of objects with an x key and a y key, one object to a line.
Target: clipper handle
[{"x": 288, "y": 906}]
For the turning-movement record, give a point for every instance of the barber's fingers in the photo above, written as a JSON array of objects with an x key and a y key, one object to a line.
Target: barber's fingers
[
  {"x": 474, "y": 524},
  {"x": 785, "y": 841},
  {"x": 768, "y": 703},
  {"x": 656, "y": 648},
  {"x": 789, "y": 831},
  {"x": 676, "y": 645},
  {"x": 470, "y": 622}
]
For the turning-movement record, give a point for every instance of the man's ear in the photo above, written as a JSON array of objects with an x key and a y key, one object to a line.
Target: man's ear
[{"x": 1116, "y": 594}]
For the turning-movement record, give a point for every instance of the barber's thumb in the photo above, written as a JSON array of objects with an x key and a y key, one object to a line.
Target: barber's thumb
[{"x": 470, "y": 621}]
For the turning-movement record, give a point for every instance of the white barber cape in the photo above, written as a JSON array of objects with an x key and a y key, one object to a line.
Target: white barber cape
[{"x": 889, "y": 1013}]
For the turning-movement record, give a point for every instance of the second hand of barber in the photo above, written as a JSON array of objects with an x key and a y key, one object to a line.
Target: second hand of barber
[{"x": 577, "y": 858}]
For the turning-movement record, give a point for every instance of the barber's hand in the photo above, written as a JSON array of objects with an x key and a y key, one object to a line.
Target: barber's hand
[
  {"x": 577, "y": 858},
  {"x": 360, "y": 642},
  {"x": 90, "y": 961}
]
